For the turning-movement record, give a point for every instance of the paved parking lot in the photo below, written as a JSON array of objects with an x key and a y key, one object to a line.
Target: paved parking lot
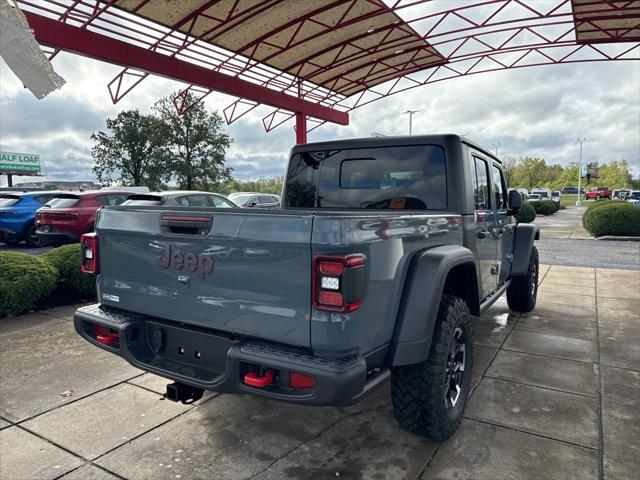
[{"x": 555, "y": 396}]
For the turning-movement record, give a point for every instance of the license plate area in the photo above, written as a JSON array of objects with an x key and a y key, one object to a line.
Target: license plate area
[{"x": 180, "y": 350}]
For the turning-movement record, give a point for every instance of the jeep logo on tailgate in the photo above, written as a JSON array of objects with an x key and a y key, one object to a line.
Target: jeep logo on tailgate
[{"x": 203, "y": 264}]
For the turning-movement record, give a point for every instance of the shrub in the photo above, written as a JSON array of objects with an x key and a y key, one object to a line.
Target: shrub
[
  {"x": 596, "y": 205},
  {"x": 24, "y": 281},
  {"x": 616, "y": 218},
  {"x": 544, "y": 207},
  {"x": 527, "y": 213},
  {"x": 67, "y": 260}
]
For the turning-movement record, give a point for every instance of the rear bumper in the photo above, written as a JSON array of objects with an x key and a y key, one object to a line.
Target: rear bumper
[
  {"x": 58, "y": 237},
  {"x": 151, "y": 344}
]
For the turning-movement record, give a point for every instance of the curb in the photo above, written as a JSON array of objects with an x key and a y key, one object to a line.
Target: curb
[{"x": 619, "y": 238}]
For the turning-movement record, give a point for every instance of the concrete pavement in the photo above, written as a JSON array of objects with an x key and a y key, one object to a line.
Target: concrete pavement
[
  {"x": 565, "y": 223},
  {"x": 555, "y": 396}
]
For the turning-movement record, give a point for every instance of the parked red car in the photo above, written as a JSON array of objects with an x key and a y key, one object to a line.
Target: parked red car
[
  {"x": 597, "y": 193},
  {"x": 69, "y": 215}
]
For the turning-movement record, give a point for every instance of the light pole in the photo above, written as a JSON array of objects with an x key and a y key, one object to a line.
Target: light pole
[
  {"x": 580, "y": 141},
  {"x": 496, "y": 144},
  {"x": 410, "y": 112}
]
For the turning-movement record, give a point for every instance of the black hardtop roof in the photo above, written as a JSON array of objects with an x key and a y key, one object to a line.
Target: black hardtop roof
[{"x": 371, "y": 142}]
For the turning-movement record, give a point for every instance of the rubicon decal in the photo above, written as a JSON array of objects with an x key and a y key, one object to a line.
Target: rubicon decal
[{"x": 203, "y": 264}]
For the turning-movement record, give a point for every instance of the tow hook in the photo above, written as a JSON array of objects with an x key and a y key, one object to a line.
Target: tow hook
[
  {"x": 179, "y": 392},
  {"x": 254, "y": 380}
]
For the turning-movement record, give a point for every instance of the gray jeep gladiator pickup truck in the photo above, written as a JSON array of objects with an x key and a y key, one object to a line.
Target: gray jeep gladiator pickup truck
[{"x": 383, "y": 251}]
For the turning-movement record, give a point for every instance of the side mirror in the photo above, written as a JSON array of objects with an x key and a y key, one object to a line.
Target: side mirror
[
  {"x": 515, "y": 202},
  {"x": 251, "y": 204}
]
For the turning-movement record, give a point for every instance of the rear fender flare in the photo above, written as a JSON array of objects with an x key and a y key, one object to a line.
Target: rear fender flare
[
  {"x": 423, "y": 290},
  {"x": 523, "y": 239}
]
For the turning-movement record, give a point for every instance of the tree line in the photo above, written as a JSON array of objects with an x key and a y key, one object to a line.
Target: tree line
[
  {"x": 163, "y": 147},
  {"x": 531, "y": 172}
]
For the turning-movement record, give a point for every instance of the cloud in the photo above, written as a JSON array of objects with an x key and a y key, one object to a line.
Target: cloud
[{"x": 537, "y": 111}]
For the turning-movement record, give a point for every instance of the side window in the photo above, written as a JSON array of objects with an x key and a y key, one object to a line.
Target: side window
[
  {"x": 500, "y": 192},
  {"x": 182, "y": 201},
  {"x": 198, "y": 201},
  {"x": 266, "y": 199},
  {"x": 107, "y": 200},
  {"x": 42, "y": 199},
  {"x": 481, "y": 184},
  {"x": 219, "y": 202}
]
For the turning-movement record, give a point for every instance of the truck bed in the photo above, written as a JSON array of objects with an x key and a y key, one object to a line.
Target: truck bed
[{"x": 249, "y": 273}]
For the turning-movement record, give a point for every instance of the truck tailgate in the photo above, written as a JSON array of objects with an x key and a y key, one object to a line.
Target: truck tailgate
[{"x": 236, "y": 271}]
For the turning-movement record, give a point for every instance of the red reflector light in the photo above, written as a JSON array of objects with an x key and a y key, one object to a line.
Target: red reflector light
[
  {"x": 331, "y": 268},
  {"x": 300, "y": 380},
  {"x": 89, "y": 252},
  {"x": 330, "y": 298},
  {"x": 254, "y": 380}
]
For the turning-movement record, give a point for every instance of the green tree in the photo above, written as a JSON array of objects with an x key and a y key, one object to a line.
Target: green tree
[
  {"x": 530, "y": 172},
  {"x": 614, "y": 175},
  {"x": 195, "y": 145},
  {"x": 130, "y": 152},
  {"x": 509, "y": 167}
]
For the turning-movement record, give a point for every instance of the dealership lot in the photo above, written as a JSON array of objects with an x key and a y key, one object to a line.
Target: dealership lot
[{"x": 555, "y": 393}]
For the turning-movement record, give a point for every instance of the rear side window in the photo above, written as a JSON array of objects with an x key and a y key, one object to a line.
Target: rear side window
[
  {"x": 220, "y": 202},
  {"x": 42, "y": 199},
  {"x": 499, "y": 190},
  {"x": 198, "y": 201},
  {"x": 9, "y": 201},
  {"x": 111, "y": 199},
  {"x": 265, "y": 199},
  {"x": 404, "y": 177},
  {"x": 481, "y": 184},
  {"x": 63, "y": 202}
]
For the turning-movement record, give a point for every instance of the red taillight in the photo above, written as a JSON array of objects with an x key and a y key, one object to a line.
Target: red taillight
[
  {"x": 331, "y": 268},
  {"x": 89, "y": 252},
  {"x": 339, "y": 282},
  {"x": 300, "y": 380},
  {"x": 330, "y": 298}
]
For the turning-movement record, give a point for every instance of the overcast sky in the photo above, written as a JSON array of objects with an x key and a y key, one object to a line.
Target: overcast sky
[{"x": 537, "y": 111}]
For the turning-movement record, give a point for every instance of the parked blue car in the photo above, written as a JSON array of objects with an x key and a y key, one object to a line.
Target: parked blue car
[{"x": 18, "y": 214}]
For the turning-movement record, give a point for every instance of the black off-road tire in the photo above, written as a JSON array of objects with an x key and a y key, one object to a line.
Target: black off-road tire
[
  {"x": 420, "y": 393},
  {"x": 523, "y": 291}
]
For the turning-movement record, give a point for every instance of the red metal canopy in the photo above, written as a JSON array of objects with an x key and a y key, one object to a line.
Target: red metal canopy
[{"x": 320, "y": 59}]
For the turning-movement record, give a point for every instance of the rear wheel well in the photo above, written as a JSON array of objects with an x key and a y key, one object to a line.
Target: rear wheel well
[{"x": 462, "y": 282}]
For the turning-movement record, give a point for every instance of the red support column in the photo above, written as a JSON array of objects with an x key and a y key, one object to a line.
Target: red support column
[{"x": 301, "y": 128}]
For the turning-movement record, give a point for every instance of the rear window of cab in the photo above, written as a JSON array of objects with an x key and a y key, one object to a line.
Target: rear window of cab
[{"x": 403, "y": 177}]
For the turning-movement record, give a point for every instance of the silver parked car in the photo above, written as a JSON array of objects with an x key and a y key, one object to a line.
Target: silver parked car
[
  {"x": 255, "y": 200},
  {"x": 180, "y": 198}
]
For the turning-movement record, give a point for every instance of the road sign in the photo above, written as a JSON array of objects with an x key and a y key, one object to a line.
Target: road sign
[
  {"x": 583, "y": 170},
  {"x": 20, "y": 163}
]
